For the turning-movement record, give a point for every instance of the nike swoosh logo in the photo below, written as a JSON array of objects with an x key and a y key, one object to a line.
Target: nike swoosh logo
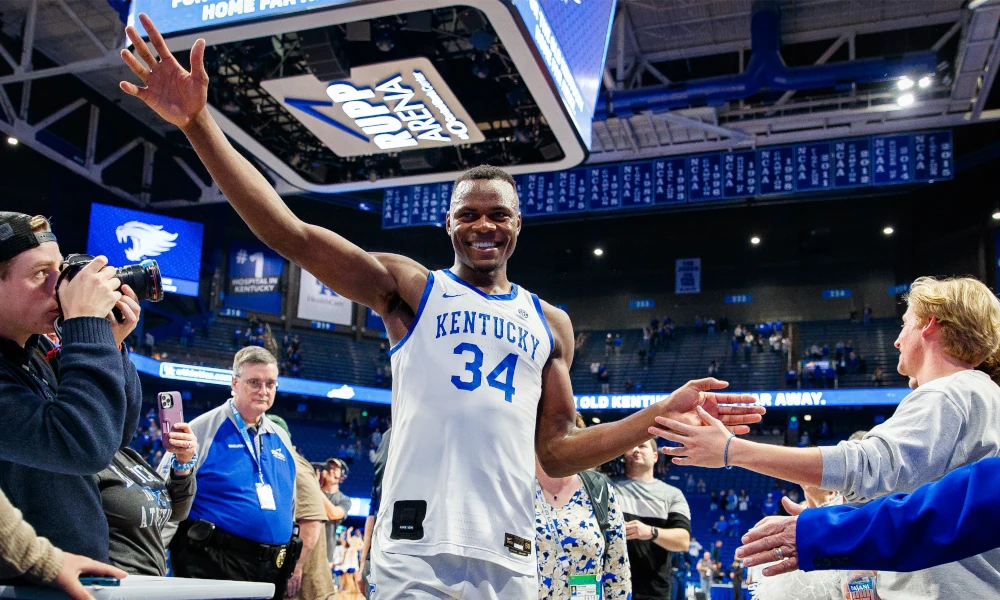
[
  {"x": 600, "y": 495},
  {"x": 446, "y": 295}
]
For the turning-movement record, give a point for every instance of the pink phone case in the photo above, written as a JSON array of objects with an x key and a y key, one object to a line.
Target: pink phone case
[{"x": 171, "y": 411}]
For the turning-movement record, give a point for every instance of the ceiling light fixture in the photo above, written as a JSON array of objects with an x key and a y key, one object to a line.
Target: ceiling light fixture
[
  {"x": 888, "y": 230},
  {"x": 755, "y": 240},
  {"x": 924, "y": 82},
  {"x": 905, "y": 100},
  {"x": 904, "y": 83},
  {"x": 598, "y": 252},
  {"x": 12, "y": 141}
]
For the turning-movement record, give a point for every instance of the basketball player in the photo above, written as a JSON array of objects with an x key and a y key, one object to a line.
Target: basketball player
[{"x": 481, "y": 367}]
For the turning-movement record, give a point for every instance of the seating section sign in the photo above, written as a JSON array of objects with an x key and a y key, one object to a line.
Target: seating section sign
[{"x": 812, "y": 167}]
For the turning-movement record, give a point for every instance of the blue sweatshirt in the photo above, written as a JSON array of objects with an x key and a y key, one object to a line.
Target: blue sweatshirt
[
  {"x": 64, "y": 420},
  {"x": 941, "y": 522}
]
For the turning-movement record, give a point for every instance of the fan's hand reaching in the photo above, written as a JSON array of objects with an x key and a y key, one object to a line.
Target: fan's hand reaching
[{"x": 174, "y": 93}]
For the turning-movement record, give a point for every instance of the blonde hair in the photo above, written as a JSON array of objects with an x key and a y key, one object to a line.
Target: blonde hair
[
  {"x": 580, "y": 423},
  {"x": 254, "y": 355},
  {"x": 968, "y": 312},
  {"x": 38, "y": 224},
  {"x": 991, "y": 366}
]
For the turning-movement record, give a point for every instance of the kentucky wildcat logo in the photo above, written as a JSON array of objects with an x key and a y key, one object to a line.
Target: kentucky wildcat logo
[{"x": 147, "y": 240}]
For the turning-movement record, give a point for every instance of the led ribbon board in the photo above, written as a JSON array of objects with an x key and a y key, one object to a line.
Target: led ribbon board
[
  {"x": 390, "y": 106},
  {"x": 181, "y": 16},
  {"x": 343, "y": 391}
]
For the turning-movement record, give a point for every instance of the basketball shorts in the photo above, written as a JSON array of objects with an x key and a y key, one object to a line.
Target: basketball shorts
[{"x": 404, "y": 577}]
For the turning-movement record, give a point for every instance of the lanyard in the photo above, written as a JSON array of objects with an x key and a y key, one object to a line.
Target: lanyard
[
  {"x": 551, "y": 525},
  {"x": 242, "y": 427}
]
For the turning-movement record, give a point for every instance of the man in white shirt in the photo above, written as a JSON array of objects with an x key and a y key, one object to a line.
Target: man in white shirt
[{"x": 951, "y": 420}]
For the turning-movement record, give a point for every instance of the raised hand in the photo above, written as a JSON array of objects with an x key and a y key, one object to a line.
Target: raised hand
[
  {"x": 174, "y": 93},
  {"x": 683, "y": 403},
  {"x": 700, "y": 445}
]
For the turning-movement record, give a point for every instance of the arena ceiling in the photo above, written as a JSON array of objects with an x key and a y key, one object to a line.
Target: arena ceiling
[{"x": 655, "y": 44}]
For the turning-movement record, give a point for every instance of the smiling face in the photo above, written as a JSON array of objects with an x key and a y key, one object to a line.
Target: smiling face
[
  {"x": 27, "y": 292},
  {"x": 484, "y": 222}
]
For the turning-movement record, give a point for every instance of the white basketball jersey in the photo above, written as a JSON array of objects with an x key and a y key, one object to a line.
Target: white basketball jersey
[{"x": 460, "y": 472}]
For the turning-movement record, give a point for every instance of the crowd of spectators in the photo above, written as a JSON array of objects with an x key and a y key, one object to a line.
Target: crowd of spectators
[
  {"x": 383, "y": 367},
  {"x": 820, "y": 366},
  {"x": 290, "y": 356},
  {"x": 760, "y": 336}
]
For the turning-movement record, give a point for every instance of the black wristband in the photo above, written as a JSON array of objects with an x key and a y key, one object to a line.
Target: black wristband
[{"x": 656, "y": 534}]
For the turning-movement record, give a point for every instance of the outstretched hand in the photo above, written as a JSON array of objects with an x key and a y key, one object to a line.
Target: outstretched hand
[
  {"x": 700, "y": 445},
  {"x": 773, "y": 539},
  {"x": 174, "y": 93},
  {"x": 682, "y": 405}
]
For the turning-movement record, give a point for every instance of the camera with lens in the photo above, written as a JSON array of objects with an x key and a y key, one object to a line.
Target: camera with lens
[{"x": 144, "y": 278}]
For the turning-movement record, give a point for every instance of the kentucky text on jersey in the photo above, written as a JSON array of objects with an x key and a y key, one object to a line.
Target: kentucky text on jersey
[{"x": 465, "y": 321}]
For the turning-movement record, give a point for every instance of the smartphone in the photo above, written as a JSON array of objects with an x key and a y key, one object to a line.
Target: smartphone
[
  {"x": 102, "y": 581},
  {"x": 171, "y": 412}
]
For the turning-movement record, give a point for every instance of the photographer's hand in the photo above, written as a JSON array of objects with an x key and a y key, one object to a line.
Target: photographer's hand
[
  {"x": 92, "y": 292},
  {"x": 128, "y": 304}
]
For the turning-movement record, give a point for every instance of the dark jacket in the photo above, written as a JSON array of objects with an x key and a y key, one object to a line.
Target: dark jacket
[{"x": 64, "y": 419}]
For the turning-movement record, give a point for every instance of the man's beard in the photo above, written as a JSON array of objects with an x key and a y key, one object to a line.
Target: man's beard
[{"x": 486, "y": 270}]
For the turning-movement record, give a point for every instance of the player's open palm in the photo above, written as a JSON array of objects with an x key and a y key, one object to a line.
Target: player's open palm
[
  {"x": 682, "y": 405},
  {"x": 174, "y": 93}
]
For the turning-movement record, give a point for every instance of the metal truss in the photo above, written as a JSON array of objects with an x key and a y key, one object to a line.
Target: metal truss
[
  {"x": 791, "y": 119},
  {"x": 15, "y": 122}
]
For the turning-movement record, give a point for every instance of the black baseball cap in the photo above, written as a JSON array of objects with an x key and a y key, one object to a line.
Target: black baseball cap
[{"x": 16, "y": 235}]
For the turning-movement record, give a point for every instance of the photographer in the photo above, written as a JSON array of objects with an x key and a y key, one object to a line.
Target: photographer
[{"x": 68, "y": 415}]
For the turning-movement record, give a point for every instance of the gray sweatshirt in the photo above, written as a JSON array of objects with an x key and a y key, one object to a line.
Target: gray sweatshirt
[{"x": 947, "y": 423}]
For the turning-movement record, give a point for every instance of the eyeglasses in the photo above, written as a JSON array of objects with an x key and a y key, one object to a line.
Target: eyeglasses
[{"x": 257, "y": 384}]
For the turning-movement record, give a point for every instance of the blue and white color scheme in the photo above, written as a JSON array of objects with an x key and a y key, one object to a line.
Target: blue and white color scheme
[
  {"x": 770, "y": 399},
  {"x": 572, "y": 37},
  {"x": 895, "y": 290},
  {"x": 801, "y": 168},
  {"x": 317, "y": 302},
  {"x": 254, "y": 281},
  {"x": 180, "y": 16},
  {"x": 687, "y": 276},
  {"x": 324, "y": 389},
  {"x": 291, "y": 385},
  {"x": 467, "y": 382},
  {"x": 739, "y": 299},
  {"x": 640, "y": 304},
  {"x": 229, "y": 466},
  {"x": 129, "y": 236},
  {"x": 385, "y": 107},
  {"x": 836, "y": 293}
]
